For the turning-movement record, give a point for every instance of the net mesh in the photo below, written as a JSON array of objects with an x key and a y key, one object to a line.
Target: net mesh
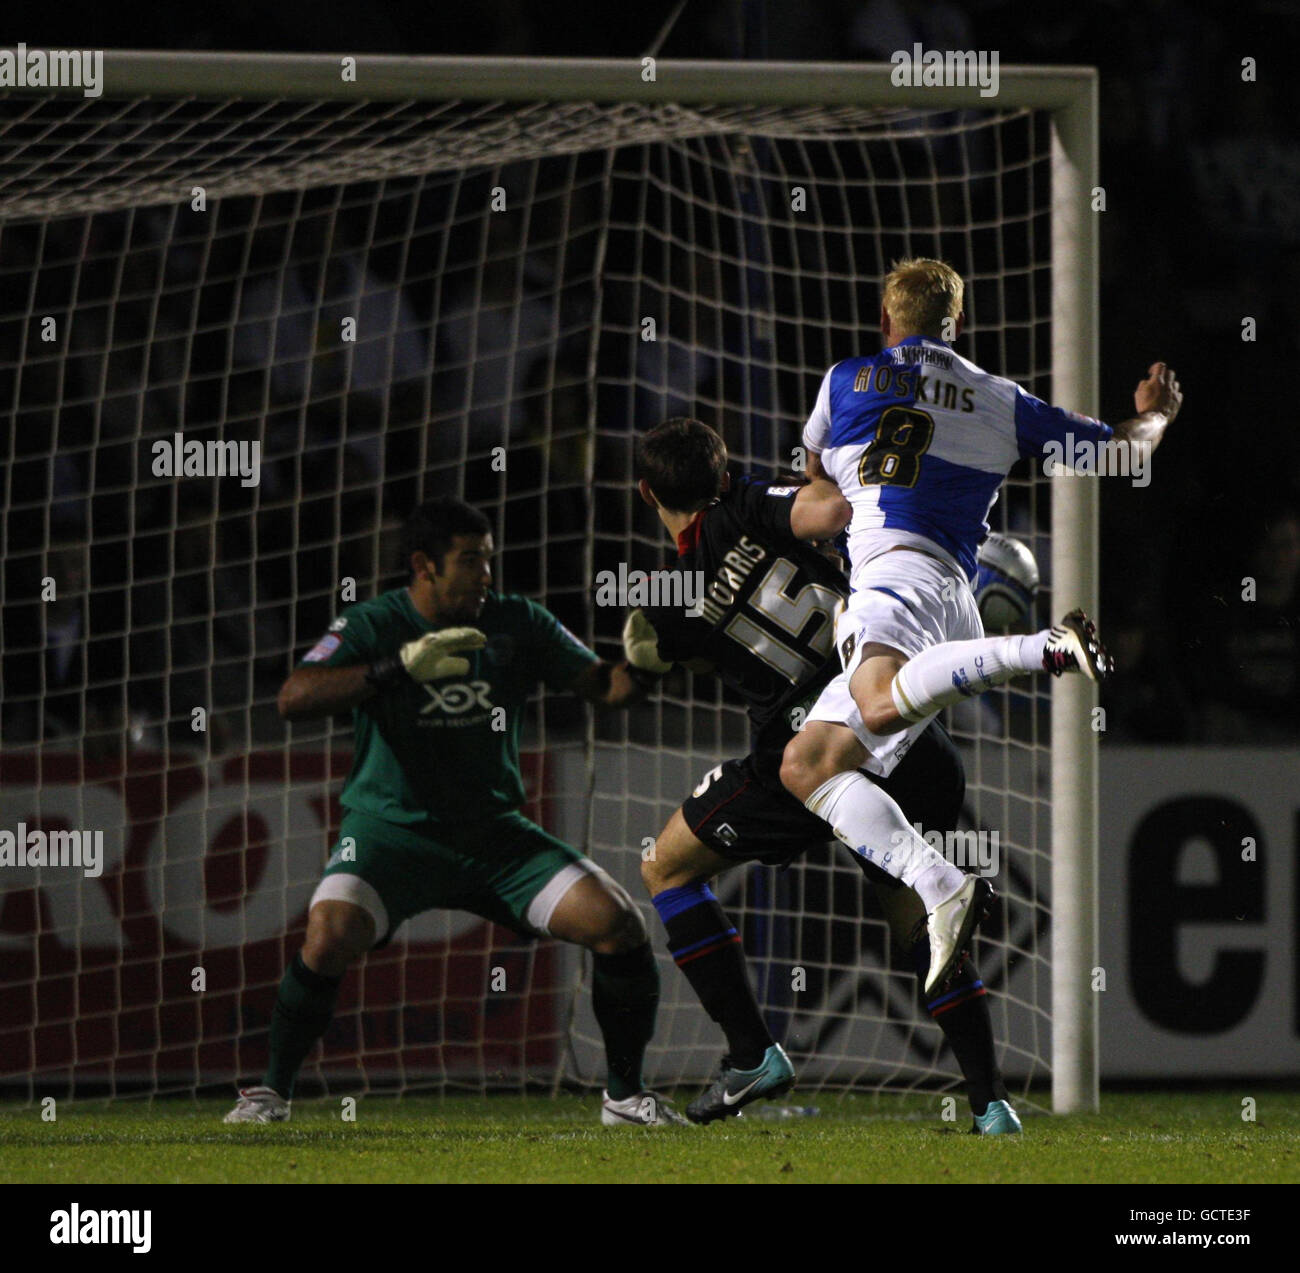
[{"x": 398, "y": 300}]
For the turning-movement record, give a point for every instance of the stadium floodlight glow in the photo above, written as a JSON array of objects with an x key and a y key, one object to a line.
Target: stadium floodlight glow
[{"x": 199, "y": 231}]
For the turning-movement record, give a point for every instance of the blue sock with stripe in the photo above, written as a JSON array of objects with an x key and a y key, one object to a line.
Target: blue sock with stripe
[
  {"x": 706, "y": 947},
  {"x": 961, "y": 1011}
]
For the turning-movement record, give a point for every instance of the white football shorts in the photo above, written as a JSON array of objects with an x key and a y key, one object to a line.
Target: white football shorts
[{"x": 907, "y": 600}]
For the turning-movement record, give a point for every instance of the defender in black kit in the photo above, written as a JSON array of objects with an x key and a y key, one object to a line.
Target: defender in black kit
[{"x": 765, "y": 622}]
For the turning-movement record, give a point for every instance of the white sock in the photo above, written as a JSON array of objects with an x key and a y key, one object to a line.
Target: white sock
[
  {"x": 869, "y": 821},
  {"x": 947, "y": 673}
]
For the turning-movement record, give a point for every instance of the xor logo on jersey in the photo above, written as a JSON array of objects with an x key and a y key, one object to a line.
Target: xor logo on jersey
[{"x": 457, "y": 697}]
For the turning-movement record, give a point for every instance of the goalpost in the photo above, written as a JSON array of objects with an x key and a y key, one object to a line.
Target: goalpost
[{"x": 538, "y": 258}]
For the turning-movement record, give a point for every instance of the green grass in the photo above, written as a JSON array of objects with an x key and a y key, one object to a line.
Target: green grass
[{"x": 1161, "y": 1137}]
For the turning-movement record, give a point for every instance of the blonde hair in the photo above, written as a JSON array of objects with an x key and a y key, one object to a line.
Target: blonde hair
[{"x": 920, "y": 293}]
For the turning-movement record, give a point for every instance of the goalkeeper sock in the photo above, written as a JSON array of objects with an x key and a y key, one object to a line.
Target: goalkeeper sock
[
  {"x": 947, "y": 673},
  {"x": 962, "y": 1013},
  {"x": 868, "y": 819},
  {"x": 303, "y": 1010},
  {"x": 706, "y": 947},
  {"x": 625, "y": 998}
]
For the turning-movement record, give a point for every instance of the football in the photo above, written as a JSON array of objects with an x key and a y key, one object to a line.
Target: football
[{"x": 1006, "y": 582}]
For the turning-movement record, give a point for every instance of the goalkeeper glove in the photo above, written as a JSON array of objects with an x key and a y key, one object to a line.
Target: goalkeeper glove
[
  {"x": 641, "y": 648},
  {"x": 430, "y": 658}
]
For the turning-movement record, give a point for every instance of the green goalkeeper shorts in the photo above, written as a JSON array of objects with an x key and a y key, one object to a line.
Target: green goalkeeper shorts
[{"x": 506, "y": 869}]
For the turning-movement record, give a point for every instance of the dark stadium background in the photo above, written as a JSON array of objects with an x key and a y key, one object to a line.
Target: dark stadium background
[{"x": 1201, "y": 230}]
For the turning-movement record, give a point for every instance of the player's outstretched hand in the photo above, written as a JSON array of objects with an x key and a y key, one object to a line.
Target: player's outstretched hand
[
  {"x": 641, "y": 644},
  {"x": 1159, "y": 391},
  {"x": 434, "y": 654}
]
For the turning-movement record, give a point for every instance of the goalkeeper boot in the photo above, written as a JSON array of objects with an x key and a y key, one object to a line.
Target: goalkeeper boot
[
  {"x": 733, "y": 1089},
  {"x": 259, "y": 1105},
  {"x": 952, "y": 925},
  {"x": 645, "y": 1109},
  {"x": 998, "y": 1120},
  {"x": 1073, "y": 646}
]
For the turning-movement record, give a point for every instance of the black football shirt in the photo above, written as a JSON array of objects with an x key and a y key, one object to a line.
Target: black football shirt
[{"x": 766, "y": 619}]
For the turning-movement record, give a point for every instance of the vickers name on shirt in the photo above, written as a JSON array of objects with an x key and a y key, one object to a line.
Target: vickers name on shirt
[{"x": 725, "y": 585}]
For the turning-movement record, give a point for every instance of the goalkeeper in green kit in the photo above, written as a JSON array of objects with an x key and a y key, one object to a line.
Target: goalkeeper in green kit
[{"x": 437, "y": 674}]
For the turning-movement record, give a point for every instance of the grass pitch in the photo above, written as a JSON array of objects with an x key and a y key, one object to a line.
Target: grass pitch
[{"x": 1159, "y": 1137}]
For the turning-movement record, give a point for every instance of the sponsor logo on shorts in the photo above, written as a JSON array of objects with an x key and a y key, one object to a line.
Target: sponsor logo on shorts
[{"x": 725, "y": 833}]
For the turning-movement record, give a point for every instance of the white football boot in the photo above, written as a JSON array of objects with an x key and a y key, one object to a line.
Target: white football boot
[
  {"x": 645, "y": 1109},
  {"x": 259, "y": 1105},
  {"x": 952, "y": 925},
  {"x": 1074, "y": 646}
]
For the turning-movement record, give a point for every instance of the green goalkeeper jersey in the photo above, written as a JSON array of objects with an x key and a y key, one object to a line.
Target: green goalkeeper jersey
[{"x": 445, "y": 753}]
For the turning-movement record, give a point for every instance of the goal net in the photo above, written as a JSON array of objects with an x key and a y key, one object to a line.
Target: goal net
[{"x": 445, "y": 294}]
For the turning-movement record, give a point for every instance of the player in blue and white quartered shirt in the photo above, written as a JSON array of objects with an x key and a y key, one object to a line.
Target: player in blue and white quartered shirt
[{"x": 919, "y": 440}]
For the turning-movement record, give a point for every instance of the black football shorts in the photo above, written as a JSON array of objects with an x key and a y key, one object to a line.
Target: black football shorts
[{"x": 742, "y": 817}]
